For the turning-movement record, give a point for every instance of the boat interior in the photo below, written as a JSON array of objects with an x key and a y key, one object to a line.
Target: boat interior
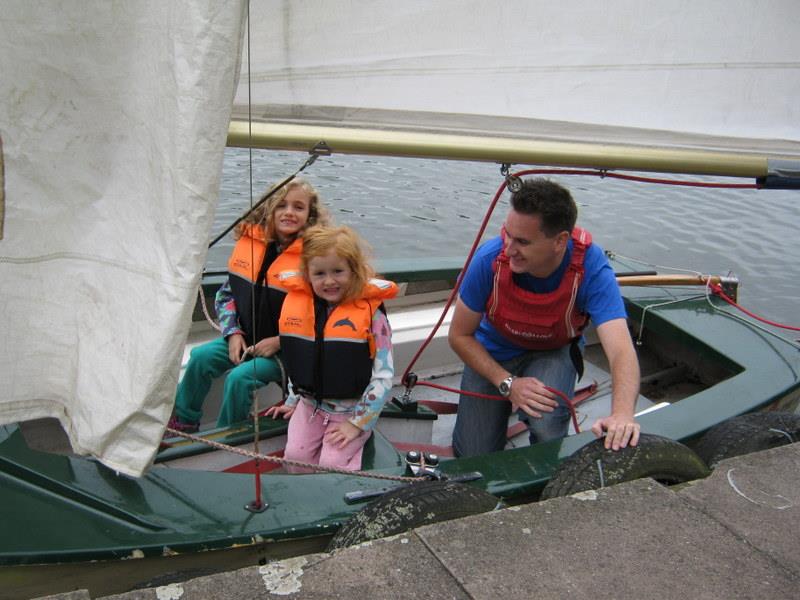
[{"x": 422, "y": 418}]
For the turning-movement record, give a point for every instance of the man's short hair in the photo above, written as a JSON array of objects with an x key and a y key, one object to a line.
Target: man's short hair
[{"x": 551, "y": 201}]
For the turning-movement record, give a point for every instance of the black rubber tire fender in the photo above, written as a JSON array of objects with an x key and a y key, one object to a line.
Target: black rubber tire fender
[
  {"x": 748, "y": 433},
  {"x": 411, "y": 506},
  {"x": 593, "y": 467}
]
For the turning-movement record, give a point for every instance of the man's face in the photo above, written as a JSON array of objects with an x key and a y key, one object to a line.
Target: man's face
[{"x": 528, "y": 248}]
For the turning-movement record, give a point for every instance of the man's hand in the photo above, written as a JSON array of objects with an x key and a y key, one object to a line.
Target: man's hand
[
  {"x": 619, "y": 430},
  {"x": 532, "y": 397}
]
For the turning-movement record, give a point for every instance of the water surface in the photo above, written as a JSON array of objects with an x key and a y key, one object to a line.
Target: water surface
[{"x": 422, "y": 207}]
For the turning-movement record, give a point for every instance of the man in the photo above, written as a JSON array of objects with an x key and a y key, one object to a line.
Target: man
[{"x": 518, "y": 321}]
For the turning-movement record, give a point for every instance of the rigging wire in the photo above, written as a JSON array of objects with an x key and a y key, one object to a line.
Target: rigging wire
[
  {"x": 309, "y": 161},
  {"x": 612, "y": 254},
  {"x": 257, "y": 505},
  {"x": 320, "y": 149},
  {"x": 717, "y": 290}
]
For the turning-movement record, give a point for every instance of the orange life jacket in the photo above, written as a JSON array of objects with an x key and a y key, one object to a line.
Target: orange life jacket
[
  {"x": 249, "y": 259},
  {"x": 329, "y": 356},
  {"x": 537, "y": 321}
]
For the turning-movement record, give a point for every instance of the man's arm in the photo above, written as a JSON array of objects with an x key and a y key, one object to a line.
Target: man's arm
[
  {"x": 620, "y": 426},
  {"x": 462, "y": 339},
  {"x": 527, "y": 393}
]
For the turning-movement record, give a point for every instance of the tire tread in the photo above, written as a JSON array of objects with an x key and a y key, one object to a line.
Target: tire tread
[
  {"x": 412, "y": 506},
  {"x": 660, "y": 458},
  {"x": 748, "y": 433}
]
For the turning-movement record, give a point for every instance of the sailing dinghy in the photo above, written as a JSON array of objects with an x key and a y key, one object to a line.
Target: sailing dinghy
[{"x": 114, "y": 120}]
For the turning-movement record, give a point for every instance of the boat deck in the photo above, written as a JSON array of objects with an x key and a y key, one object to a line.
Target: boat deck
[{"x": 412, "y": 317}]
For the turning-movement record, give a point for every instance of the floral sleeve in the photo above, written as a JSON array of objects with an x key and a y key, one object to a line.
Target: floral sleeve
[
  {"x": 225, "y": 306},
  {"x": 368, "y": 409}
]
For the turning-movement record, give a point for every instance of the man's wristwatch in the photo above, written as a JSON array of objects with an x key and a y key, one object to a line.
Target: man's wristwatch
[{"x": 505, "y": 386}]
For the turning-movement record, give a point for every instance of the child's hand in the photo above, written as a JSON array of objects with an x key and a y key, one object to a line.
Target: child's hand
[
  {"x": 236, "y": 347},
  {"x": 266, "y": 347},
  {"x": 282, "y": 409},
  {"x": 342, "y": 434}
]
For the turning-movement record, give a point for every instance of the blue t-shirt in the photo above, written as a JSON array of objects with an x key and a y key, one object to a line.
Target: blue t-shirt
[{"x": 598, "y": 294}]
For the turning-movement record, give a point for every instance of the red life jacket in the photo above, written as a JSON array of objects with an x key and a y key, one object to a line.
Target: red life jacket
[{"x": 539, "y": 321}]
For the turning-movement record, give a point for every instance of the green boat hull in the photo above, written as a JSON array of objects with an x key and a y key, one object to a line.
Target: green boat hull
[{"x": 70, "y": 522}]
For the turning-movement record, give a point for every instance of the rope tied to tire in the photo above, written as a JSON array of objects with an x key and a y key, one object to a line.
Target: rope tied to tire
[{"x": 600, "y": 473}]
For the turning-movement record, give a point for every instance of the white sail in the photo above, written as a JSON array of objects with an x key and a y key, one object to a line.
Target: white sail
[
  {"x": 113, "y": 118},
  {"x": 712, "y": 75}
]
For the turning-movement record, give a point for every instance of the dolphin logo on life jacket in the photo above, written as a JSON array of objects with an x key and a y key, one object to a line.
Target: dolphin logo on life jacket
[{"x": 345, "y": 323}]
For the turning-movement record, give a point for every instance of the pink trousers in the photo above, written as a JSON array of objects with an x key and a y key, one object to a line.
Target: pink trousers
[{"x": 305, "y": 441}]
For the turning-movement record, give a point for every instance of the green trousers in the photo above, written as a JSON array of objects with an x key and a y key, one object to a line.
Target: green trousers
[{"x": 209, "y": 361}]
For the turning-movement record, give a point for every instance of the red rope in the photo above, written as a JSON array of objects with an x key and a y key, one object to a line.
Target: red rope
[
  {"x": 496, "y": 198},
  {"x": 566, "y": 400},
  {"x": 258, "y": 502},
  {"x": 483, "y": 226},
  {"x": 717, "y": 289},
  {"x": 454, "y": 293},
  {"x": 640, "y": 179}
]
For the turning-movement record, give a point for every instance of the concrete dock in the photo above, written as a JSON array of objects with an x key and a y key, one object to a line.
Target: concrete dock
[{"x": 735, "y": 534}]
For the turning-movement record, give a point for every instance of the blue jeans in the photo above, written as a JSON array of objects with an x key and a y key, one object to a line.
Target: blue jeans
[
  {"x": 481, "y": 424},
  {"x": 209, "y": 361}
]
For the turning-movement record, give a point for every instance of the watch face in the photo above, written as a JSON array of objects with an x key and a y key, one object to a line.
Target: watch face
[{"x": 505, "y": 387}]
